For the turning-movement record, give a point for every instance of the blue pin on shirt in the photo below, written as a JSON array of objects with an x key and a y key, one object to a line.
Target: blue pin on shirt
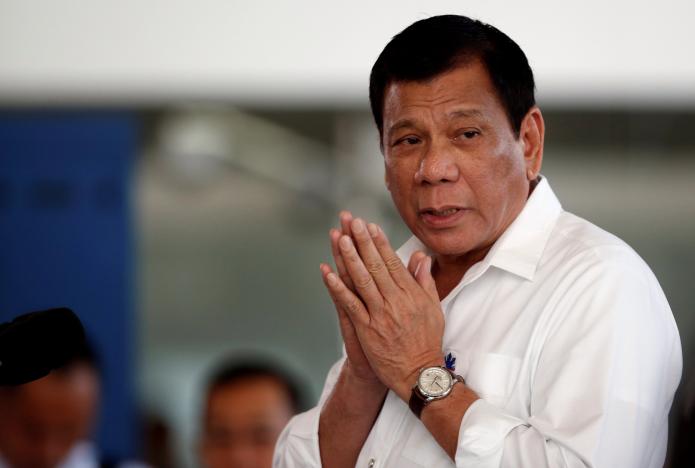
[{"x": 450, "y": 361}]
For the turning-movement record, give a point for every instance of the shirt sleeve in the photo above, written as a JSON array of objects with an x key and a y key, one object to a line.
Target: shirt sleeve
[
  {"x": 601, "y": 390},
  {"x": 298, "y": 445}
]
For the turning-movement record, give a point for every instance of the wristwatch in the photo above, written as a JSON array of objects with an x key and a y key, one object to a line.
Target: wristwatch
[{"x": 433, "y": 383}]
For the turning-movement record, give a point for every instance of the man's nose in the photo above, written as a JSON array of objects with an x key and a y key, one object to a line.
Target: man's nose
[{"x": 438, "y": 164}]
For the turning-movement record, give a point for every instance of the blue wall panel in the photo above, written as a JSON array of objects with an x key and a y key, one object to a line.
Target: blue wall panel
[{"x": 65, "y": 239}]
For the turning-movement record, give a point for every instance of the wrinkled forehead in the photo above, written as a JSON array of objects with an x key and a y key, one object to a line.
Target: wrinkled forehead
[{"x": 463, "y": 92}]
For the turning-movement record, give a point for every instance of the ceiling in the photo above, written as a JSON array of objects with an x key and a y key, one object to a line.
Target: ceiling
[{"x": 319, "y": 53}]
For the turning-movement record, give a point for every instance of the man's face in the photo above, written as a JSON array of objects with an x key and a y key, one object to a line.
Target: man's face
[
  {"x": 41, "y": 421},
  {"x": 243, "y": 420},
  {"x": 456, "y": 171}
]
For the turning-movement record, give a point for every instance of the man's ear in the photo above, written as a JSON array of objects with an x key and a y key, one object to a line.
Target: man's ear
[
  {"x": 532, "y": 134},
  {"x": 387, "y": 179}
]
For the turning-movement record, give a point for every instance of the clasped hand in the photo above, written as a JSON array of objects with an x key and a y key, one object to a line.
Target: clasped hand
[{"x": 390, "y": 316}]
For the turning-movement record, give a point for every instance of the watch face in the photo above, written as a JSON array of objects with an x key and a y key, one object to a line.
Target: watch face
[{"x": 434, "y": 381}]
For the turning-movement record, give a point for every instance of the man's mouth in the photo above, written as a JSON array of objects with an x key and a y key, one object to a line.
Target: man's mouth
[
  {"x": 444, "y": 216},
  {"x": 442, "y": 212}
]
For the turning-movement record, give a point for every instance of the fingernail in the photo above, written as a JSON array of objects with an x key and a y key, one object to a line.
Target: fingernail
[
  {"x": 373, "y": 229},
  {"x": 358, "y": 226},
  {"x": 332, "y": 280},
  {"x": 345, "y": 242}
]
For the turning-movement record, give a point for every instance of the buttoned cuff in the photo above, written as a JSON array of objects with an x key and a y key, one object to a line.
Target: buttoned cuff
[{"x": 481, "y": 435}]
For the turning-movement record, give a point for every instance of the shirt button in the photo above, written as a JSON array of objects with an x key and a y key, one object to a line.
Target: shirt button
[{"x": 372, "y": 462}]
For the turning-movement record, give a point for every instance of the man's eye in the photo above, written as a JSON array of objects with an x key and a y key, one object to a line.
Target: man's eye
[
  {"x": 469, "y": 134},
  {"x": 409, "y": 140}
]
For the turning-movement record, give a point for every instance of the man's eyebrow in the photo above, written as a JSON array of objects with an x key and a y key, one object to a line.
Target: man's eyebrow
[
  {"x": 456, "y": 114},
  {"x": 466, "y": 113},
  {"x": 399, "y": 124}
]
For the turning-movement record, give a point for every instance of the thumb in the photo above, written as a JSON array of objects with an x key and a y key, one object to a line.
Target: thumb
[{"x": 424, "y": 278}]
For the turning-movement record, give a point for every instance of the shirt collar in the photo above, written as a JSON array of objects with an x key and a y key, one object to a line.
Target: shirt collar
[{"x": 518, "y": 250}]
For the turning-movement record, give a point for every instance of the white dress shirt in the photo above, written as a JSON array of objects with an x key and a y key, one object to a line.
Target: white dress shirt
[{"x": 564, "y": 333}]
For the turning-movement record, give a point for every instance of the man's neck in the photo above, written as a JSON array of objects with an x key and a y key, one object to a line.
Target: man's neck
[{"x": 448, "y": 271}]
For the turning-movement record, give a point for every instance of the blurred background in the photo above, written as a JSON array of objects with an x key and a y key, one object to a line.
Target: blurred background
[{"x": 170, "y": 170}]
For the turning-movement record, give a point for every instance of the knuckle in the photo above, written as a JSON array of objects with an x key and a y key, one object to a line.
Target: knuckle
[
  {"x": 352, "y": 307},
  {"x": 364, "y": 282},
  {"x": 374, "y": 266},
  {"x": 393, "y": 263}
]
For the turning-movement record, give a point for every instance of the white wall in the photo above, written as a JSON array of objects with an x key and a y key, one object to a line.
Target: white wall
[{"x": 260, "y": 52}]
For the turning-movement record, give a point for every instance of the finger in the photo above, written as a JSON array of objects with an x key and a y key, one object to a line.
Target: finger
[
  {"x": 338, "y": 259},
  {"x": 345, "y": 218},
  {"x": 398, "y": 271},
  {"x": 325, "y": 269},
  {"x": 425, "y": 279},
  {"x": 414, "y": 261},
  {"x": 372, "y": 258},
  {"x": 364, "y": 283},
  {"x": 347, "y": 329},
  {"x": 343, "y": 298}
]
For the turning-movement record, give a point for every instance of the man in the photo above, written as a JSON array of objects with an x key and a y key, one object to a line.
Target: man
[
  {"x": 44, "y": 422},
  {"x": 518, "y": 335},
  {"x": 245, "y": 408},
  {"x": 47, "y": 423}
]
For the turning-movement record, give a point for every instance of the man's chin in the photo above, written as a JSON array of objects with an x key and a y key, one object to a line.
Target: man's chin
[{"x": 450, "y": 244}]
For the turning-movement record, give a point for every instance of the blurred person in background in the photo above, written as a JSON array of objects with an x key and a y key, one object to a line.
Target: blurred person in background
[
  {"x": 48, "y": 423},
  {"x": 246, "y": 405},
  {"x": 506, "y": 332},
  {"x": 157, "y": 449}
]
